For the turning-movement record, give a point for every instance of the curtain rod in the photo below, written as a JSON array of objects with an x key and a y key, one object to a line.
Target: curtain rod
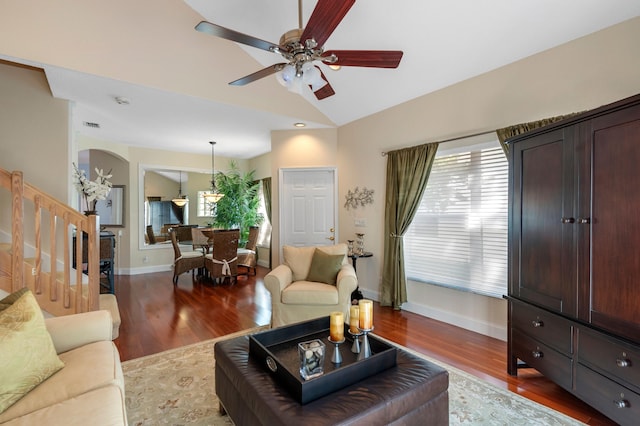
[{"x": 384, "y": 153}]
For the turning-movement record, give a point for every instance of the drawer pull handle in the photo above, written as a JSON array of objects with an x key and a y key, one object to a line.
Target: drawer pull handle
[
  {"x": 537, "y": 354},
  {"x": 623, "y": 363},
  {"x": 584, "y": 221},
  {"x": 621, "y": 403},
  {"x": 537, "y": 323},
  {"x": 566, "y": 220}
]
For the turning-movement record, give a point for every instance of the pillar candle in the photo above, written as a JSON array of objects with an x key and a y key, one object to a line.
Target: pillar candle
[
  {"x": 366, "y": 314},
  {"x": 354, "y": 319},
  {"x": 336, "y": 326}
]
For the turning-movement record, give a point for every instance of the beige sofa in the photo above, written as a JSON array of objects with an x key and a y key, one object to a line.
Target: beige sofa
[
  {"x": 89, "y": 389},
  {"x": 298, "y": 289}
]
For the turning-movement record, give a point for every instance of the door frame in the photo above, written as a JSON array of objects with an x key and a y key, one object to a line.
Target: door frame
[{"x": 281, "y": 172}]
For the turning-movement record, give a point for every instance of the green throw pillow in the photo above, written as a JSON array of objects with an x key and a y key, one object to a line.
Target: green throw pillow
[
  {"x": 324, "y": 267},
  {"x": 27, "y": 354},
  {"x": 10, "y": 299}
]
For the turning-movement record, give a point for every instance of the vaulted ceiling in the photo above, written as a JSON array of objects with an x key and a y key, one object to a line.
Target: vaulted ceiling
[{"x": 172, "y": 81}]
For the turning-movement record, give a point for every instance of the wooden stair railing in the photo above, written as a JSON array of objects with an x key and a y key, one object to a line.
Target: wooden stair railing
[{"x": 59, "y": 288}]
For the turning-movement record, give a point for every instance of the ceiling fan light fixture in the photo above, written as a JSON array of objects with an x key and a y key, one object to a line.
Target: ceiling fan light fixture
[
  {"x": 286, "y": 76},
  {"x": 302, "y": 46}
]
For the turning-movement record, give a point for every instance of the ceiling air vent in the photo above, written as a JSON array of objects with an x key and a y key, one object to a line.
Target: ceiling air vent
[{"x": 90, "y": 124}]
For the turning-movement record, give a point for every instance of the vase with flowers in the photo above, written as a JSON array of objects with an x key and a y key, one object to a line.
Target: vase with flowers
[{"x": 92, "y": 191}]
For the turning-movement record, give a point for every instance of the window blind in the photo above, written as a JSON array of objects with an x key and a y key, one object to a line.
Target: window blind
[{"x": 458, "y": 237}]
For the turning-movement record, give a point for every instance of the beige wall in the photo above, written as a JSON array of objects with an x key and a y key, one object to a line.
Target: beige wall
[
  {"x": 34, "y": 139},
  {"x": 582, "y": 74},
  {"x": 297, "y": 148},
  {"x": 34, "y": 130}
]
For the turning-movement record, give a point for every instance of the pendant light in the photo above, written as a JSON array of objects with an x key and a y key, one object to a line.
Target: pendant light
[
  {"x": 180, "y": 200},
  {"x": 213, "y": 196}
]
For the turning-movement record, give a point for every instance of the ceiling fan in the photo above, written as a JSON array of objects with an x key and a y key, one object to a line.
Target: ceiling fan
[{"x": 300, "y": 47}]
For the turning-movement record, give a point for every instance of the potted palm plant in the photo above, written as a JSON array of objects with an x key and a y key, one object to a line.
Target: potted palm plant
[{"x": 239, "y": 206}]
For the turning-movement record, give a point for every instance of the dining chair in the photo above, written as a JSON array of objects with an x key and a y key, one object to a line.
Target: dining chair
[
  {"x": 184, "y": 261},
  {"x": 222, "y": 261},
  {"x": 150, "y": 235},
  {"x": 199, "y": 240},
  {"x": 247, "y": 255}
]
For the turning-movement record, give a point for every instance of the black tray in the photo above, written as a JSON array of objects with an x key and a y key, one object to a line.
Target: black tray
[{"x": 277, "y": 351}]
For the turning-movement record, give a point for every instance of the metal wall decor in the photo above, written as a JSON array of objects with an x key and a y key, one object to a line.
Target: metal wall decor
[{"x": 358, "y": 197}]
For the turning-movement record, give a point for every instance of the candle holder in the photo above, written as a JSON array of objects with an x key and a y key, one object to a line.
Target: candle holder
[
  {"x": 337, "y": 356},
  {"x": 365, "y": 351},
  {"x": 355, "y": 348}
]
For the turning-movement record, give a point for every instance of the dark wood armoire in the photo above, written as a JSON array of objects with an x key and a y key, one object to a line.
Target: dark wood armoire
[{"x": 574, "y": 256}]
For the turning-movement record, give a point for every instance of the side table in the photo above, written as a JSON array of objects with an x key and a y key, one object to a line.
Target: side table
[{"x": 357, "y": 294}]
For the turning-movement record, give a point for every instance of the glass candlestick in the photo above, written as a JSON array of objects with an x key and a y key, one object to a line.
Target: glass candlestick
[
  {"x": 355, "y": 347},
  {"x": 337, "y": 356},
  {"x": 350, "y": 247},
  {"x": 365, "y": 351},
  {"x": 359, "y": 250}
]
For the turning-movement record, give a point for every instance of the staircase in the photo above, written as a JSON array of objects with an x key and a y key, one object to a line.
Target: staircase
[{"x": 37, "y": 251}]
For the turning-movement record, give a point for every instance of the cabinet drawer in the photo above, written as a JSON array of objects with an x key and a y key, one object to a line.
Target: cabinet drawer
[
  {"x": 610, "y": 356},
  {"x": 612, "y": 399},
  {"x": 544, "y": 326},
  {"x": 543, "y": 358}
]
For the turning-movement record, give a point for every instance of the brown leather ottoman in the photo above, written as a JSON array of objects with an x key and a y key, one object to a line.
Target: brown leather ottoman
[{"x": 414, "y": 392}]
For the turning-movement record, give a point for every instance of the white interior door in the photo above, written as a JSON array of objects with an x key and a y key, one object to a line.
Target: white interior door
[{"x": 308, "y": 206}]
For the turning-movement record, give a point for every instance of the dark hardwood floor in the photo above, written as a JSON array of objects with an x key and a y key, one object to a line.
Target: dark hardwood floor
[{"x": 157, "y": 316}]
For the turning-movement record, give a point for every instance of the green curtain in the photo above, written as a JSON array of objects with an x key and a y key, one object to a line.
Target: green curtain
[
  {"x": 407, "y": 174},
  {"x": 518, "y": 129},
  {"x": 266, "y": 192}
]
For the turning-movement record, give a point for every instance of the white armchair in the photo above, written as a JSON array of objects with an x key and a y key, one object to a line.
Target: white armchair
[{"x": 310, "y": 283}]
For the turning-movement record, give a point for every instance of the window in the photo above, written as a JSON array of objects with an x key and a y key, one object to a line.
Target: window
[
  {"x": 458, "y": 237},
  {"x": 205, "y": 209}
]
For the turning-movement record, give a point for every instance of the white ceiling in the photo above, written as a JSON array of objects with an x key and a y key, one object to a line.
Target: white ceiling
[{"x": 444, "y": 42}]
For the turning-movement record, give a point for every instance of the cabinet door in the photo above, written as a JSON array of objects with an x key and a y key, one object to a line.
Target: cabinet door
[
  {"x": 541, "y": 221},
  {"x": 613, "y": 296}
]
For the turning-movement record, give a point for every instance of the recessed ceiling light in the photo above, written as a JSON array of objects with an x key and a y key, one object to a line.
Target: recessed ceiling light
[
  {"x": 299, "y": 124},
  {"x": 335, "y": 67}
]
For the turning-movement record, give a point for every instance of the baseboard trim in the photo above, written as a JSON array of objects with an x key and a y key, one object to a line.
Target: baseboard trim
[
  {"x": 144, "y": 270},
  {"x": 453, "y": 318}
]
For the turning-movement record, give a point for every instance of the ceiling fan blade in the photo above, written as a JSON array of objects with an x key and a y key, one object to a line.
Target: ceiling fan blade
[
  {"x": 366, "y": 58},
  {"x": 265, "y": 72},
  {"x": 226, "y": 33},
  {"x": 324, "y": 19},
  {"x": 326, "y": 90}
]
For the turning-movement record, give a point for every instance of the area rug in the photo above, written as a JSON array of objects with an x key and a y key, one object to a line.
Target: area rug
[{"x": 177, "y": 387}]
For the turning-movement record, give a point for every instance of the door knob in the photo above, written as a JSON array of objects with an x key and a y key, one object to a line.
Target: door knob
[{"x": 331, "y": 238}]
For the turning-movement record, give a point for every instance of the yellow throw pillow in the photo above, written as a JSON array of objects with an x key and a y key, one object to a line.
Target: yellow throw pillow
[
  {"x": 27, "y": 354},
  {"x": 10, "y": 299},
  {"x": 325, "y": 267}
]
